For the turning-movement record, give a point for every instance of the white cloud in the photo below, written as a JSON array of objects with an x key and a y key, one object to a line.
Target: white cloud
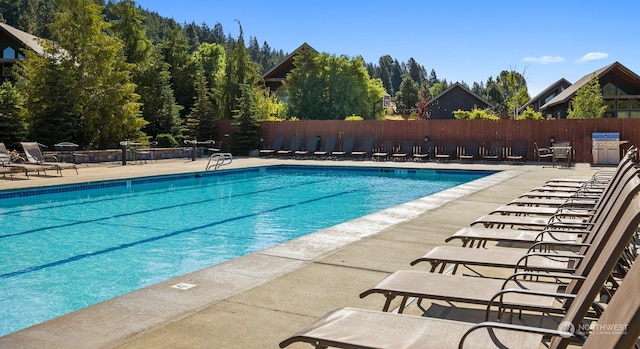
[
  {"x": 592, "y": 56},
  {"x": 544, "y": 59}
]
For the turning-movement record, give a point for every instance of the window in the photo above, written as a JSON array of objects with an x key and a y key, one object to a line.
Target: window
[
  {"x": 9, "y": 53},
  {"x": 624, "y": 114},
  {"x": 549, "y": 97},
  {"x": 623, "y": 104},
  {"x": 609, "y": 90},
  {"x": 610, "y": 103},
  {"x": 635, "y": 103}
]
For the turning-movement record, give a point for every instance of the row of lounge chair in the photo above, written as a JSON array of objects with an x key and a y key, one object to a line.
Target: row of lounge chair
[
  {"x": 585, "y": 250},
  {"x": 405, "y": 150},
  {"x": 34, "y": 161}
]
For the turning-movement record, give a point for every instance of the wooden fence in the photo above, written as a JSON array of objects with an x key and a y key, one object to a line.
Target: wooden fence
[{"x": 578, "y": 132}]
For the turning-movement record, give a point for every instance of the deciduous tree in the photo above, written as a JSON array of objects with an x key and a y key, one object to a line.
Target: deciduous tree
[{"x": 588, "y": 102}]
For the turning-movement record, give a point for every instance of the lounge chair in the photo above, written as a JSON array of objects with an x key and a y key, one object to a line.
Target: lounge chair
[
  {"x": 276, "y": 145},
  {"x": 449, "y": 151},
  {"x": 518, "y": 152},
  {"x": 405, "y": 152},
  {"x": 5, "y": 161},
  {"x": 624, "y": 166},
  {"x": 327, "y": 149},
  {"x": 456, "y": 288},
  {"x": 384, "y": 153},
  {"x": 294, "y": 145},
  {"x": 442, "y": 256},
  {"x": 480, "y": 236},
  {"x": 471, "y": 151},
  {"x": 347, "y": 148},
  {"x": 495, "y": 151},
  {"x": 353, "y": 328},
  {"x": 311, "y": 147},
  {"x": 426, "y": 151},
  {"x": 366, "y": 150},
  {"x": 34, "y": 156}
]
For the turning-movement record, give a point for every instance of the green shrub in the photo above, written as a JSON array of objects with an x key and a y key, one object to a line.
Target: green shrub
[
  {"x": 530, "y": 114},
  {"x": 475, "y": 114},
  {"x": 353, "y": 118}
]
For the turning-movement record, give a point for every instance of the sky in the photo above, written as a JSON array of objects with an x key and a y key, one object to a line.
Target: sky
[{"x": 461, "y": 40}]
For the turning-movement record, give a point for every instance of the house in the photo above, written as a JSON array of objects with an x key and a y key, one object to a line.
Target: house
[
  {"x": 620, "y": 91},
  {"x": 274, "y": 77},
  {"x": 546, "y": 95},
  {"x": 456, "y": 97},
  {"x": 13, "y": 43}
]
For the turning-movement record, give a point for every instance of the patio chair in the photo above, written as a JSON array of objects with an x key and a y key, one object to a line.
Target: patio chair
[
  {"x": 384, "y": 152},
  {"x": 471, "y": 151},
  {"x": 34, "y": 156},
  {"x": 561, "y": 153},
  {"x": 347, "y": 147},
  {"x": 405, "y": 152},
  {"x": 455, "y": 288},
  {"x": 310, "y": 148},
  {"x": 542, "y": 153},
  {"x": 479, "y": 236},
  {"x": 366, "y": 150},
  {"x": 327, "y": 149},
  {"x": 5, "y": 162},
  {"x": 426, "y": 151},
  {"x": 276, "y": 145},
  {"x": 624, "y": 166},
  {"x": 535, "y": 258},
  {"x": 449, "y": 151},
  {"x": 294, "y": 145},
  {"x": 353, "y": 328}
]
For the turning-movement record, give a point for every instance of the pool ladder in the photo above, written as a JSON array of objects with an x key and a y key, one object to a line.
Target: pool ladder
[{"x": 218, "y": 159}]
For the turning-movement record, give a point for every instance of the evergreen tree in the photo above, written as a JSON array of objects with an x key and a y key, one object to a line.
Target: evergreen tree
[
  {"x": 246, "y": 126},
  {"x": 13, "y": 127},
  {"x": 200, "y": 121},
  {"x": 239, "y": 70},
  {"x": 149, "y": 73},
  {"x": 588, "y": 102},
  {"x": 407, "y": 97},
  {"x": 175, "y": 49},
  {"x": 416, "y": 72},
  {"x": 80, "y": 90}
]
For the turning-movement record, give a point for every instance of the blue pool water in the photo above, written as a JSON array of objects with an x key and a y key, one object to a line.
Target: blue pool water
[{"x": 63, "y": 248}]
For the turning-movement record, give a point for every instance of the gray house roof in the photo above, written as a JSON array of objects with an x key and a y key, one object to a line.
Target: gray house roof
[
  {"x": 570, "y": 92},
  {"x": 31, "y": 41},
  {"x": 459, "y": 85},
  {"x": 545, "y": 92}
]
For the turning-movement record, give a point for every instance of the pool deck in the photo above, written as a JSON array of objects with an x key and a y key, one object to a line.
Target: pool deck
[{"x": 260, "y": 299}]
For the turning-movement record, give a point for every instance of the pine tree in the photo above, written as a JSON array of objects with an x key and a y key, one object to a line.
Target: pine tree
[
  {"x": 588, "y": 102},
  {"x": 245, "y": 122},
  {"x": 200, "y": 121}
]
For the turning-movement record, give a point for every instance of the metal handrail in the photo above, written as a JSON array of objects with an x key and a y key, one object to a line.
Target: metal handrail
[{"x": 221, "y": 159}]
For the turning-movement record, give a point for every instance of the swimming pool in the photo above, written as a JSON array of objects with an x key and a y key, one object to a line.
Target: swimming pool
[{"x": 67, "y": 247}]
